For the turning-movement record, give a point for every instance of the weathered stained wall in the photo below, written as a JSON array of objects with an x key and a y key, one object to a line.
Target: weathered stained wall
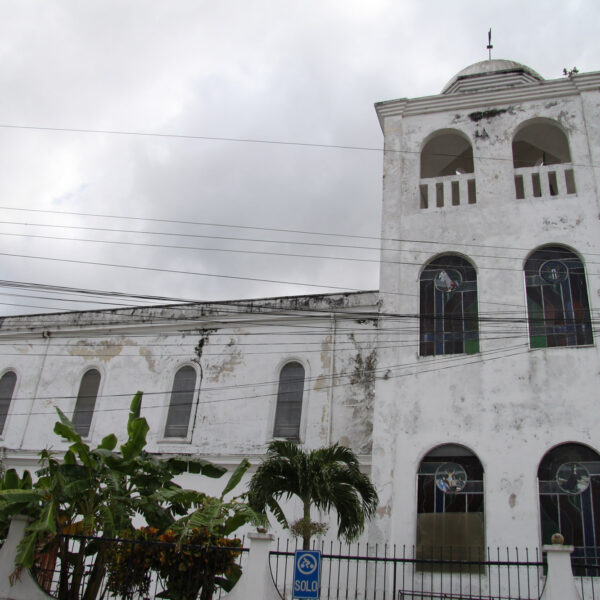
[
  {"x": 508, "y": 403},
  {"x": 237, "y": 351}
]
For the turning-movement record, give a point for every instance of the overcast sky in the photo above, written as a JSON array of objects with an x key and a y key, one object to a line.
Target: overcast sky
[{"x": 305, "y": 71}]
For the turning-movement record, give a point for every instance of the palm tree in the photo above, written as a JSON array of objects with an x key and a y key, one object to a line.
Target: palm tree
[{"x": 325, "y": 478}]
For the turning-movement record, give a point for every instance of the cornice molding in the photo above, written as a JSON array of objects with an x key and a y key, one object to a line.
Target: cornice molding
[
  {"x": 182, "y": 319},
  {"x": 543, "y": 90}
]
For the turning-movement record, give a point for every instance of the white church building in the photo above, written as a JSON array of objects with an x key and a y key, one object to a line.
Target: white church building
[{"x": 467, "y": 384}]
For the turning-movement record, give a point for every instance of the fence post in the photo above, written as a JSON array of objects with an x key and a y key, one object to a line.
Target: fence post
[
  {"x": 25, "y": 587},
  {"x": 560, "y": 584},
  {"x": 256, "y": 580}
]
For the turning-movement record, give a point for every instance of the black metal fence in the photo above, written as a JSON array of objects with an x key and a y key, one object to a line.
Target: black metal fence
[
  {"x": 88, "y": 568},
  {"x": 367, "y": 571},
  {"x": 85, "y": 568}
]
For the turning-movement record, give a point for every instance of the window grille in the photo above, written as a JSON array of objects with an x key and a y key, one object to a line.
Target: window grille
[
  {"x": 569, "y": 489},
  {"x": 557, "y": 300},
  {"x": 450, "y": 509},
  {"x": 449, "y": 321}
]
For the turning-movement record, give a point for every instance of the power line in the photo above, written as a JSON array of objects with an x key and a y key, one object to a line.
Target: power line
[
  {"x": 448, "y": 362},
  {"x": 191, "y": 137},
  {"x": 250, "y": 141},
  {"x": 188, "y": 222},
  {"x": 263, "y": 252},
  {"x": 453, "y": 244},
  {"x": 176, "y": 271}
]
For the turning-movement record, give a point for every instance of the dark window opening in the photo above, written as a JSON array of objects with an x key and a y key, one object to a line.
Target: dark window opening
[
  {"x": 180, "y": 405},
  {"x": 557, "y": 300},
  {"x": 570, "y": 181},
  {"x": 7, "y": 388},
  {"x": 553, "y": 183},
  {"x": 424, "y": 196},
  {"x": 569, "y": 489},
  {"x": 86, "y": 402},
  {"x": 540, "y": 144},
  {"x": 455, "y": 193},
  {"x": 450, "y": 505},
  {"x": 449, "y": 322},
  {"x": 446, "y": 154},
  {"x": 471, "y": 191},
  {"x": 289, "y": 402},
  {"x": 439, "y": 194},
  {"x": 519, "y": 187},
  {"x": 537, "y": 185}
]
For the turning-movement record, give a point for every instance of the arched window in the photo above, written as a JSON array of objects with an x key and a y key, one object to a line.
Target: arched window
[
  {"x": 289, "y": 402},
  {"x": 86, "y": 402},
  {"x": 540, "y": 143},
  {"x": 446, "y": 154},
  {"x": 180, "y": 405},
  {"x": 539, "y": 149},
  {"x": 7, "y": 387},
  {"x": 448, "y": 310},
  {"x": 569, "y": 488},
  {"x": 450, "y": 511},
  {"x": 557, "y": 300}
]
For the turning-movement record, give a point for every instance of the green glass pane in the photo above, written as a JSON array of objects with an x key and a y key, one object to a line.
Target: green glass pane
[{"x": 471, "y": 346}]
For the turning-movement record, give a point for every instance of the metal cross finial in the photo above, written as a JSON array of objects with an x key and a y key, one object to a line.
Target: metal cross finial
[{"x": 489, "y": 46}]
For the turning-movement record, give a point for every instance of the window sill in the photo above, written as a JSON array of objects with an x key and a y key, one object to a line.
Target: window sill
[
  {"x": 581, "y": 346},
  {"x": 175, "y": 441},
  {"x": 432, "y": 357}
]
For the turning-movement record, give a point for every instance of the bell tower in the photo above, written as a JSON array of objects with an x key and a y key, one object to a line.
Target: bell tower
[{"x": 489, "y": 232}]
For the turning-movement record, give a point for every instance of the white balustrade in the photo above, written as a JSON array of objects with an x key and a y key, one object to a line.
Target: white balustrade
[
  {"x": 447, "y": 191},
  {"x": 546, "y": 181}
]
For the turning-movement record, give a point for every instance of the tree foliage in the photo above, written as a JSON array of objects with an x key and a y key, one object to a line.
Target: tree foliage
[
  {"x": 327, "y": 478},
  {"x": 96, "y": 492}
]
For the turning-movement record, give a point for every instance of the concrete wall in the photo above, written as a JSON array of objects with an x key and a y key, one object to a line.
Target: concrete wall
[
  {"x": 508, "y": 404},
  {"x": 237, "y": 353}
]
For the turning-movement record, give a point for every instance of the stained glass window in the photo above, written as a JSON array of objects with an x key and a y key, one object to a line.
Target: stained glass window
[
  {"x": 569, "y": 488},
  {"x": 448, "y": 312},
  {"x": 557, "y": 300},
  {"x": 450, "y": 519}
]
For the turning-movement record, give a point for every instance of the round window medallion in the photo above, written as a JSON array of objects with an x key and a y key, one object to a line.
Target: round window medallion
[
  {"x": 447, "y": 280},
  {"x": 554, "y": 271},
  {"x": 450, "y": 478},
  {"x": 572, "y": 478}
]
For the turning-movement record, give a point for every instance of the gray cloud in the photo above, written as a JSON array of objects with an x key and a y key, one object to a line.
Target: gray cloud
[{"x": 306, "y": 72}]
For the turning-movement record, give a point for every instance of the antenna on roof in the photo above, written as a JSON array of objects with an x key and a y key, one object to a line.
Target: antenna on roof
[{"x": 489, "y": 46}]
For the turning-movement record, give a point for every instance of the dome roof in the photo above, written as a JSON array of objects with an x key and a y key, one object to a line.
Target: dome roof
[{"x": 491, "y": 74}]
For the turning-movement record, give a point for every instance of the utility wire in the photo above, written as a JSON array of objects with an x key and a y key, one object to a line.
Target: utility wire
[
  {"x": 267, "y": 253},
  {"x": 447, "y": 362},
  {"x": 258, "y": 240},
  {"x": 249, "y": 141}
]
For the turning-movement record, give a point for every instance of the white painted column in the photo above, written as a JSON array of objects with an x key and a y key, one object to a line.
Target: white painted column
[
  {"x": 560, "y": 584},
  {"x": 25, "y": 587},
  {"x": 256, "y": 581}
]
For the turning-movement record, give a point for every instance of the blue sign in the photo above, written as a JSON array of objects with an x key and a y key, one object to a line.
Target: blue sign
[{"x": 307, "y": 574}]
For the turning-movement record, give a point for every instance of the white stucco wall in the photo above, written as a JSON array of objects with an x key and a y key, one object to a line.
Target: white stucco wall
[
  {"x": 243, "y": 351},
  {"x": 509, "y": 404}
]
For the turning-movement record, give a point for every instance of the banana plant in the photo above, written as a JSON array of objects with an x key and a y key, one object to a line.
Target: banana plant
[{"x": 95, "y": 492}]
